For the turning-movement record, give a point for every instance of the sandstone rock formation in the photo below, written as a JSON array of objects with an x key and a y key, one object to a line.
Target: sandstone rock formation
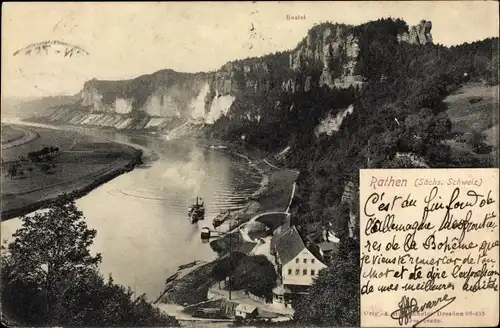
[
  {"x": 328, "y": 56},
  {"x": 349, "y": 196},
  {"x": 332, "y": 122},
  {"x": 91, "y": 97},
  {"x": 290, "y": 85},
  {"x": 418, "y": 34},
  {"x": 332, "y": 48},
  {"x": 235, "y": 77},
  {"x": 162, "y": 94}
]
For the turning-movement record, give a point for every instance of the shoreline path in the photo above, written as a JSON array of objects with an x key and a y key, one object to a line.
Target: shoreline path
[{"x": 27, "y": 136}]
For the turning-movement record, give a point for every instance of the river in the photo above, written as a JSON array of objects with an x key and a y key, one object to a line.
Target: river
[{"x": 141, "y": 220}]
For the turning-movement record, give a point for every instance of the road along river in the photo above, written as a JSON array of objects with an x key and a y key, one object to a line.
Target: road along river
[{"x": 141, "y": 219}]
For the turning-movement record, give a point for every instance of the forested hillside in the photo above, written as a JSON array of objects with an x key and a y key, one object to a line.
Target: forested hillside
[
  {"x": 345, "y": 98},
  {"x": 399, "y": 119},
  {"x": 399, "y": 110}
]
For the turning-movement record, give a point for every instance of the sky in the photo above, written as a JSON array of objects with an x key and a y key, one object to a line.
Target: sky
[{"x": 125, "y": 40}]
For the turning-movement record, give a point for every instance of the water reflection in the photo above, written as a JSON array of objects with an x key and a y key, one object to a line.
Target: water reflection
[{"x": 143, "y": 231}]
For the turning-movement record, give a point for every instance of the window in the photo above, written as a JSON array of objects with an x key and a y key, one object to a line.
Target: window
[
  {"x": 297, "y": 272},
  {"x": 304, "y": 272},
  {"x": 305, "y": 260},
  {"x": 289, "y": 271},
  {"x": 312, "y": 261},
  {"x": 312, "y": 272},
  {"x": 296, "y": 260}
]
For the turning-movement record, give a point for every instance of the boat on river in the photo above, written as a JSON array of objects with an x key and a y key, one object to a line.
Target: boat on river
[
  {"x": 221, "y": 218},
  {"x": 196, "y": 212}
]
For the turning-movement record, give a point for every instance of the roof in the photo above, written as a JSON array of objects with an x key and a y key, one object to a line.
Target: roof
[
  {"x": 246, "y": 308},
  {"x": 282, "y": 228},
  {"x": 328, "y": 246},
  {"x": 289, "y": 245},
  {"x": 314, "y": 249},
  {"x": 279, "y": 232}
]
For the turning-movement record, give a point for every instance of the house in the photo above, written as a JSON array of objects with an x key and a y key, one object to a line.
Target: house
[
  {"x": 318, "y": 232},
  {"x": 327, "y": 249},
  {"x": 246, "y": 311},
  {"x": 297, "y": 264},
  {"x": 282, "y": 228}
]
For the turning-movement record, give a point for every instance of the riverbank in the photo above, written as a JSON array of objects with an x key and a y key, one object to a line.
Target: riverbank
[
  {"x": 274, "y": 195},
  {"x": 80, "y": 164},
  {"x": 273, "y": 184},
  {"x": 13, "y": 136}
]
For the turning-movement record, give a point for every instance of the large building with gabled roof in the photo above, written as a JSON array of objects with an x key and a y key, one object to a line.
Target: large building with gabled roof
[{"x": 297, "y": 264}]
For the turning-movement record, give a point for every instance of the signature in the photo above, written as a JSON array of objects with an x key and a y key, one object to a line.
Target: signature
[{"x": 408, "y": 307}]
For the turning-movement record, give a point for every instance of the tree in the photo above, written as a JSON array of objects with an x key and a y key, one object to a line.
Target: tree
[
  {"x": 13, "y": 169},
  {"x": 341, "y": 225},
  {"x": 439, "y": 127},
  {"x": 256, "y": 275},
  {"x": 381, "y": 148},
  {"x": 53, "y": 245},
  {"x": 45, "y": 168},
  {"x": 49, "y": 276},
  {"x": 333, "y": 299},
  {"x": 225, "y": 265},
  {"x": 354, "y": 227}
]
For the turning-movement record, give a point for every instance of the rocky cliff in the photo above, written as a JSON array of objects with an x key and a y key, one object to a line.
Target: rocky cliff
[
  {"x": 164, "y": 93},
  {"x": 168, "y": 94},
  {"x": 418, "y": 34},
  {"x": 329, "y": 56},
  {"x": 331, "y": 48}
]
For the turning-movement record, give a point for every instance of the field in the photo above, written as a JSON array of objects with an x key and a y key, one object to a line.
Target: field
[
  {"x": 474, "y": 109},
  {"x": 10, "y": 134},
  {"x": 75, "y": 163}
]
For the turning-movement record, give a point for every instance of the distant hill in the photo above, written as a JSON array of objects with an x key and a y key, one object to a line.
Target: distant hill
[
  {"x": 24, "y": 108},
  {"x": 377, "y": 95},
  {"x": 375, "y": 91}
]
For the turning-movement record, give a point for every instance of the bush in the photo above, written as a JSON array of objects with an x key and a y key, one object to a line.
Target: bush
[
  {"x": 49, "y": 276},
  {"x": 255, "y": 274},
  {"x": 13, "y": 169},
  {"x": 45, "y": 168},
  {"x": 333, "y": 299}
]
